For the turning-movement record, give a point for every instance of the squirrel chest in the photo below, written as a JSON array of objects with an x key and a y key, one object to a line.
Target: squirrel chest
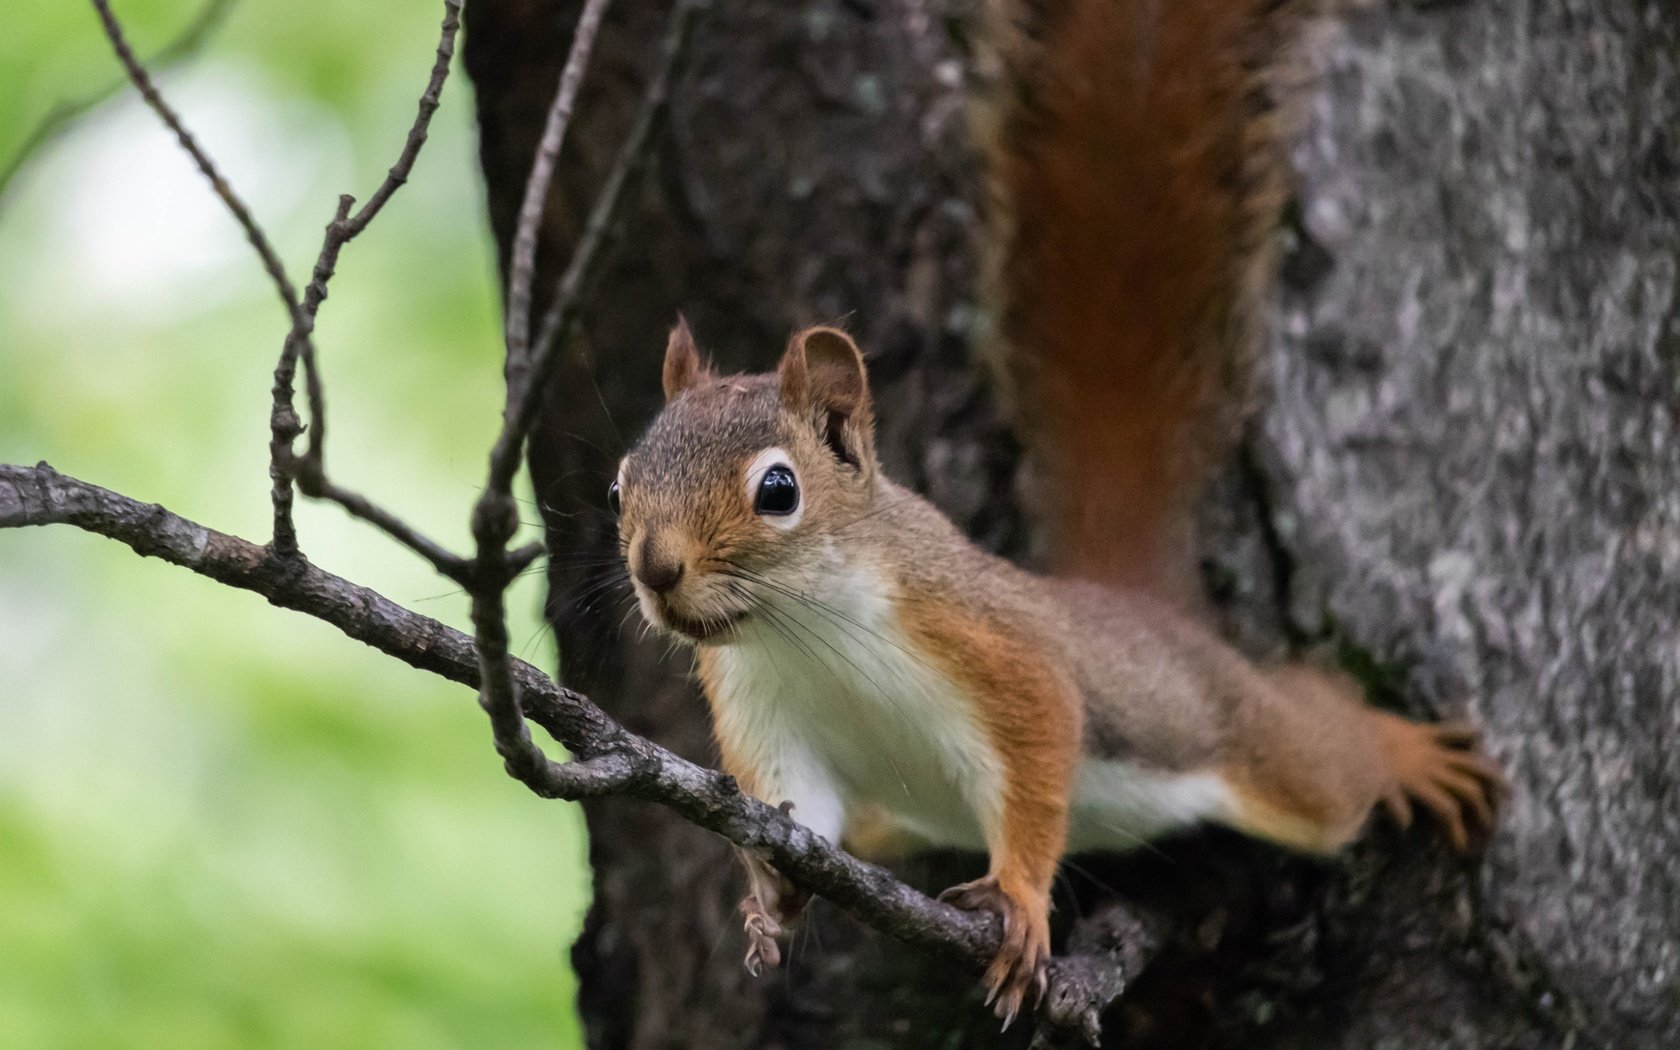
[{"x": 827, "y": 701}]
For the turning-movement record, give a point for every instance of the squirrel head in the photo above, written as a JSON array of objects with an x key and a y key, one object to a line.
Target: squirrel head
[{"x": 741, "y": 483}]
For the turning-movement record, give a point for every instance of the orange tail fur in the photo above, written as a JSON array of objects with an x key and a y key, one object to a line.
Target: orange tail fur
[{"x": 1139, "y": 176}]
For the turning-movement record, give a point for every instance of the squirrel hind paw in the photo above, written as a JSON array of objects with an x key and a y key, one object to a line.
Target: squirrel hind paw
[
  {"x": 1443, "y": 768},
  {"x": 761, "y": 929},
  {"x": 1023, "y": 959}
]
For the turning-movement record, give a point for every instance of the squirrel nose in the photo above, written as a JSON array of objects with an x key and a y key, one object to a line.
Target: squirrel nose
[{"x": 659, "y": 570}]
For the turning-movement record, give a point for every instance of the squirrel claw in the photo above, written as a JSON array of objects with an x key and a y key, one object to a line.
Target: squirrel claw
[
  {"x": 1011, "y": 995},
  {"x": 1023, "y": 959},
  {"x": 1442, "y": 769},
  {"x": 761, "y": 931},
  {"x": 1009, "y": 1016}
]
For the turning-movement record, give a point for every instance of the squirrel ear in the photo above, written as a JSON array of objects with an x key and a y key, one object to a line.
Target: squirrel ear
[
  {"x": 823, "y": 378},
  {"x": 682, "y": 361}
]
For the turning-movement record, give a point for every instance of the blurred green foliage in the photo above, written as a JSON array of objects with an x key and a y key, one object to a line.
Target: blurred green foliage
[{"x": 222, "y": 824}]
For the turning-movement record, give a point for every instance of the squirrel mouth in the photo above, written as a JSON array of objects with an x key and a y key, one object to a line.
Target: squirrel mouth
[{"x": 706, "y": 629}]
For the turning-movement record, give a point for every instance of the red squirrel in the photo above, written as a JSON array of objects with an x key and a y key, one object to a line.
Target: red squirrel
[{"x": 867, "y": 663}]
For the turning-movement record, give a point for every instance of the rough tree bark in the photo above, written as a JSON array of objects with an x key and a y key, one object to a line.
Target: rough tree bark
[{"x": 1463, "y": 485}]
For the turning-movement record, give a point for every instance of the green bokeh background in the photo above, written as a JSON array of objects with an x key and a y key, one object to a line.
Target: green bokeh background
[{"x": 222, "y": 824}]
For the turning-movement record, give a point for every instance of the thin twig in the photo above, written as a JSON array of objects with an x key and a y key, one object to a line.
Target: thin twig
[
  {"x": 59, "y": 119},
  {"x": 568, "y": 296},
  {"x": 253, "y": 232},
  {"x": 441, "y": 558},
  {"x": 284, "y": 425},
  {"x": 523, "y": 402},
  {"x": 495, "y": 517},
  {"x": 283, "y": 422},
  {"x": 342, "y": 230},
  {"x": 523, "y": 255},
  {"x": 430, "y": 99}
]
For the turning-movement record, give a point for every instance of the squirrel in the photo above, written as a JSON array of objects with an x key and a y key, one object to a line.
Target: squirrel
[{"x": 869, "y": 665}]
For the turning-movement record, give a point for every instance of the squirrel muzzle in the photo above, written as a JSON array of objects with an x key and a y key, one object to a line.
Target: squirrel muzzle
[{"x": 674, "y": 594}]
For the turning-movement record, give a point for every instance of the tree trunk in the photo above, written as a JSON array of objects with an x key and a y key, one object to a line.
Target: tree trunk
[{"x": 1464, "y": 485}]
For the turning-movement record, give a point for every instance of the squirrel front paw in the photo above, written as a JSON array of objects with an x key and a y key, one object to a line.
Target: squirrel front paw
[
  {"x": 761, "y": 929},
  {"x": 1443, "y": 768},
  {"x": 1023, "y": 959}
]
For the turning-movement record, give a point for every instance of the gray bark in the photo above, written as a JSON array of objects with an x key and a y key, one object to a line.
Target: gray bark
[
  {"x": 1474, "y": 438},
  {"x": 1463, "y": 483}
]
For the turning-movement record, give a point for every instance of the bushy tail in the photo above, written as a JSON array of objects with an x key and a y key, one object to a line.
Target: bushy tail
[{"x": 1138, "y": 173}]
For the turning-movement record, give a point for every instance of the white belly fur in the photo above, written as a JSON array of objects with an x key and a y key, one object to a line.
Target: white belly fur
[
  {"x": 1118, "y": 806},
  {"x": 834, "y": 709}
]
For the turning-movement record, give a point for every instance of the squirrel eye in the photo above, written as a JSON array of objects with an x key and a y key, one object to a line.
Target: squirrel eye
[
  {"x": 778, "y": 493},
  {"x": 614, "y": 500}
]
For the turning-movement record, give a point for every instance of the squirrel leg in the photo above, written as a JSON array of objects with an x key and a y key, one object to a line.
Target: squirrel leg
[
  {"x": 1026, "y": 844},
  {"x": 1317, "y": 761},
  {"x": 772, "y": 903},
  {"x": 1017, "y": 888},
  {"x": 1031, "y": 714}
]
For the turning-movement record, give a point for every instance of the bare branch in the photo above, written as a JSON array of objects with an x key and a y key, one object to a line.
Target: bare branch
[
  {"x": 283, "y": 423},
  {"x": 59, "y": 119},
  {"x": 523, "y": 261},
  {"x": 40, "y": 495},
  {"x": 495, "y": 518},
  {"x": 612, "y": 760},
  {"x": 430, "y": 99},
  {"x": 523, "y": 402}
]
